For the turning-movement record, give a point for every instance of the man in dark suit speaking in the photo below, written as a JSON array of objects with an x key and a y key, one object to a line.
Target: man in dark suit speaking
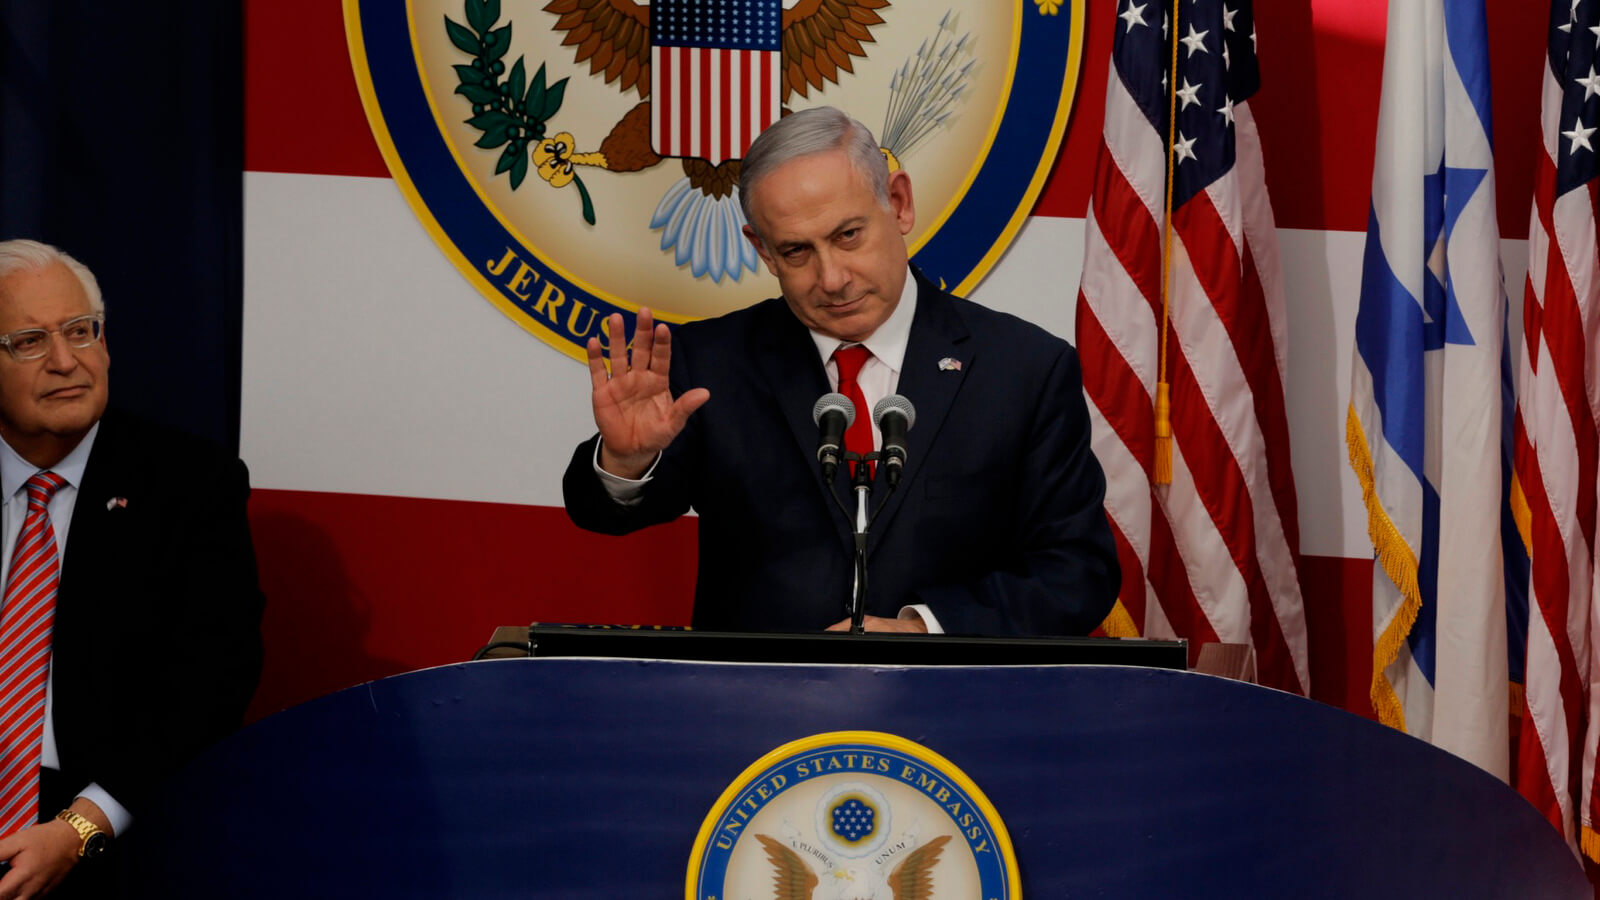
[
  {"x": 130, "y": 620},
  {"x": 997, "y": 525}
]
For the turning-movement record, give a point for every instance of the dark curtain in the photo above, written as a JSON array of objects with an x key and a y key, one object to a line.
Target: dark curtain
[{"x": 122, "y": 142}]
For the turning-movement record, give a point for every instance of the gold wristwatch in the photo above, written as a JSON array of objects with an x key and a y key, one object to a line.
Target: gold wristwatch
[{"x": 95, "y": 841}]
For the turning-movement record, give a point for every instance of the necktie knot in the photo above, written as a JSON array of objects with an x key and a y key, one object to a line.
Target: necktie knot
[
  {"x": 850, "y": 360},
  {"x": 42, "y": 486}
]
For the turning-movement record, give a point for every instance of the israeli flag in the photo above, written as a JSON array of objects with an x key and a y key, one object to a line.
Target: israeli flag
[{"x": 1425, "y": 418}]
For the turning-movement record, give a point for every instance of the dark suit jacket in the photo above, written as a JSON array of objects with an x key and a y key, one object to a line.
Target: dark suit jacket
[
  {"x": 156, "y": 647},
  {"x": 998, "y": 524}
]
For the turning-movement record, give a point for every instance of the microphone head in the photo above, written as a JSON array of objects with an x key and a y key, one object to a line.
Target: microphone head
[
  {"x": 895, "y": 403},
  {"x": 834, "y": 402}
]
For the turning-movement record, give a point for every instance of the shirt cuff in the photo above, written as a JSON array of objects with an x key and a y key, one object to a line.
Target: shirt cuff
[
  {"x": 928, "y": 618},
  {"x": 626, "y": 491},
  {"x": 118, "y": 816}
]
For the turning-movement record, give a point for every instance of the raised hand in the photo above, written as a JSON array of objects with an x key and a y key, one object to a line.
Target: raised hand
[{"x": 633, "y": 405}]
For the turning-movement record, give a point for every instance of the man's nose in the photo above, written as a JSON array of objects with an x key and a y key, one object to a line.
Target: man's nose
[
  {"x": 60, "y": 356},
  {"x": 833, "y": 275}
]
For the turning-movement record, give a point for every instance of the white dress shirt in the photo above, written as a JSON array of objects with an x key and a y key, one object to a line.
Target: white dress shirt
[
  {"x": 14, "y": 474},
  {"x": 880, "y": 374}
]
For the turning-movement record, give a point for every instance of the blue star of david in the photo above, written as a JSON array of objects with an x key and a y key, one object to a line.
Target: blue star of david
[{"x": 1445, "y": 196}]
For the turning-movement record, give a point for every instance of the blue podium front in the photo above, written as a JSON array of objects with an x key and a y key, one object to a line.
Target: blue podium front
[{"x": 574, "y": 778}]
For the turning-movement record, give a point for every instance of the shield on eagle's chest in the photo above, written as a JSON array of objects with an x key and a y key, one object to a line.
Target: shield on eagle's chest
[{"x": 714, "y": 75}]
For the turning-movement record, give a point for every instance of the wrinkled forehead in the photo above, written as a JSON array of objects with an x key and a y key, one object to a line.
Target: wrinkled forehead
[{"x": 802, "y": 185}]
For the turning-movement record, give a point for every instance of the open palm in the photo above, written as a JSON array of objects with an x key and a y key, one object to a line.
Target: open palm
[{"x": 633, "y": 405}]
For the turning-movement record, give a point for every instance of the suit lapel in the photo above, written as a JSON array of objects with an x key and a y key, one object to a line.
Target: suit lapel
[
  {"x": 937, "y": 335},
  {"x": 793, "y": 371},
  {"x": 88, "y": 579},
  {"x": 90, "y": 515}
]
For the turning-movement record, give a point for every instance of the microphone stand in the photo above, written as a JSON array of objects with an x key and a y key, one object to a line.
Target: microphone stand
[
  {"x": 861, "y": 483},
  {"x": 861, "y": 523}
]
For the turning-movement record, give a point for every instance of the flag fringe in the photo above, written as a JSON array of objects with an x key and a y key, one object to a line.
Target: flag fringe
[
  {"x": 1398, "y": 562},
  {"x": 1119, "y": 623},
  {"x": 1589, "y": 842},
  {"x": 1521, "y": 514}
]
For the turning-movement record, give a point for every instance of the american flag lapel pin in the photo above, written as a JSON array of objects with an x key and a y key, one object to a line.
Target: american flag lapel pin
[
  {"x": 116, "y": 503},
  {"x": 949, "y": 364}
]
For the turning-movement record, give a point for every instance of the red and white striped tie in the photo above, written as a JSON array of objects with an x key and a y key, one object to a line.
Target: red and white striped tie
[{"x": 25, "y": 619}]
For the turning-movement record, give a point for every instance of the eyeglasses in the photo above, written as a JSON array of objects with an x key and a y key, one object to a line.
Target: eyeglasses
[{"x": 34, "y": 343}]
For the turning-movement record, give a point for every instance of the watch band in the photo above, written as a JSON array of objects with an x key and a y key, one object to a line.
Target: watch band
[{"x": 86, "y": 829}]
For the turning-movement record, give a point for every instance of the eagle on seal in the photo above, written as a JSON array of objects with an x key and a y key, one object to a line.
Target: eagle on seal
[
  {"x": 912, "y": 879},
  {"x": 699, "y": 216}
]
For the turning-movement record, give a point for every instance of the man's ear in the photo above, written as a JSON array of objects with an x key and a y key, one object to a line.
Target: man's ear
[
  {"x": 761, "y": 248},
  {"x": 900, "y": 202}
]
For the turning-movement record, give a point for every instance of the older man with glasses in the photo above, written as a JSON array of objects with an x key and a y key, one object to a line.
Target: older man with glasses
[{"x": 128, "y": 654}]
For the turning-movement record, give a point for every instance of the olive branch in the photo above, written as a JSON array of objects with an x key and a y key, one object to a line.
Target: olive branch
[{"x": 510, "y": 111}]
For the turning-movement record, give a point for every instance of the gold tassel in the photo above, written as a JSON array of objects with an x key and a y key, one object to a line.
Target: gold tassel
[
  {"x": 1163, "y": 474},
  {"x": 1163, "y": 410},
  {"x": 1119, "y": 623}
]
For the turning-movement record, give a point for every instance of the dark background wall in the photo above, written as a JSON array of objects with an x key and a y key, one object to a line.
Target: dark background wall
[{"x": 121, "y": 141}]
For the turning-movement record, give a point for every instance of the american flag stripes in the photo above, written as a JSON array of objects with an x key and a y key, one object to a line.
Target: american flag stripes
[
  {"x": 1556, "y": 439},
  {"x": 1425, "y": 422},
  {"x": 1212, "y": 556},
  {"x": 714, "y": 75}
]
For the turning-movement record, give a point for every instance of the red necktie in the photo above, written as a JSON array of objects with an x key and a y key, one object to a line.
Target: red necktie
[
  {"x": 858, "y": 439},
  {"x": 25, "y": 619}
]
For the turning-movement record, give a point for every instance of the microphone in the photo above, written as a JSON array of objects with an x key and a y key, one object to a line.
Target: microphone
[
  {"x": 895, "y": 415},
  {"x": 833, "y": 413}
]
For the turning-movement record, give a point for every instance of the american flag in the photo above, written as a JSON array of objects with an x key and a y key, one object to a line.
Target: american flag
[
  {"x": 1556, "y": 439},
  {"x": 713, "y": 75},
  {"x": 1212, "y": 556}
]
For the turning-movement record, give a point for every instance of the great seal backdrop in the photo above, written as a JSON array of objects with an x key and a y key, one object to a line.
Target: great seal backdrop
[{"x": 521, "y": 136}]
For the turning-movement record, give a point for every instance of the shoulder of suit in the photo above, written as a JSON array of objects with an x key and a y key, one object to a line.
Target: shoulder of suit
[
  {"x": 757, "y": 318},
  {"x": 993, "y": 325},
  {"x": 131, "y": 437}
]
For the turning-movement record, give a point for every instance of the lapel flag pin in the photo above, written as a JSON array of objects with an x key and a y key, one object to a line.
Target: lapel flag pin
[
  {"x": 949, "y": 364},
  {"x": 116, "y": 503}
]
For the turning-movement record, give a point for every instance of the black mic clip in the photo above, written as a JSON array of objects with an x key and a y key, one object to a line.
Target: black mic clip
[{"x": 861, "y": 475}]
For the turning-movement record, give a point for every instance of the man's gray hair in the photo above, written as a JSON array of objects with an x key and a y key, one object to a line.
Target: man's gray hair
[
  {"x": 22, "y": 255},
  {"x": 817, "y": 130}
]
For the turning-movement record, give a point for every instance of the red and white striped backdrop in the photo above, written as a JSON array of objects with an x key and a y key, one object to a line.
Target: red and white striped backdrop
[{"x": 406, "y": 439}]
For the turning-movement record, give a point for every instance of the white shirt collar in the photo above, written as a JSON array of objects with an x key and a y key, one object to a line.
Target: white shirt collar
[
  {"x": 888, "y": 343},
  {"x": 15, "y": 471}
]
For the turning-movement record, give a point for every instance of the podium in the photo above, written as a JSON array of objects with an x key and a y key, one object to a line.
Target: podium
[
  {"x": 630, "y": 642},
  {"x": 592, "y": 778}
]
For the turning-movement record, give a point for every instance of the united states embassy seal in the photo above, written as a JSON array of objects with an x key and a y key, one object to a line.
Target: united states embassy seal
[
  {"x": 852, "y": 815},
  {"x": 575, "y": 158}
]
